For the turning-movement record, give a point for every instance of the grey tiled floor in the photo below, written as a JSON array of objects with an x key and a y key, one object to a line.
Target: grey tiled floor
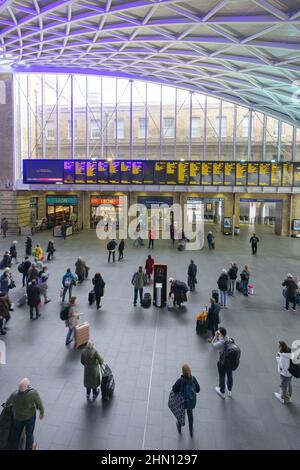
[{"x": 146, "y": 348}]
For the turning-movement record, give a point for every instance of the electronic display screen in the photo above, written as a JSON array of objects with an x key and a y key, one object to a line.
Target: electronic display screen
[
  {"x": 126, "y": 172},
  {"x": 91, "y": 172},
  {"x": 241, "y": 174},
  {"x": 297, "y": 174},
  {"x": 172, "y": 173},
  {"x": 287, "y": 174},
  {"x": 148, "y": 172},
  {"x": 137, "y": 173},
  {"x": 183, "y": 172},
  {"x": 114, "y": 172},
  {"x": 160, "y": 172},
  {"x": 276, "y": 174},
  {"x": 229, "y": 174},
  {"x": 80, "y": 171},
  {"x": 42, "y": 171},
  {"x": 102, "y": 172},
  {"x": 264, "y": 174},
  {"x": 206, "y": 173},
  {"x": 218, "y": 173},
  {"x": 69, "y": 172},
  {"x": 253, "y": 174},
  {"x": 195, "y": 172}
]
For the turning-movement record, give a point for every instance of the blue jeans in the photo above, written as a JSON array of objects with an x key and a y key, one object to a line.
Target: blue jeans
[
  {"x": 29, "y": 428},
  {"x": 66, "y": 289},
  {"x": 70, "y": 335},
  {"x": 223, "y": 297},
  {"x": 222, "y": 374},
  {"x": 136, "y": 290},
  {"x": 190, "y": 418},
  {"x": 288, "y": 300},
  {"x": 245, "y": 287}
]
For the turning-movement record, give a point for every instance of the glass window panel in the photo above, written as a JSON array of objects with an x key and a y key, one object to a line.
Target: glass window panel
[
  {"x": 64, "y": 116},
  {"x": 182, "y": 124},
  {"x": 140, "y": 120},
  {"x": 153, "y": 112},
  {"x": 271, "y": 139},
  {"x": 286, "y": 147},
  {"x": 79, "y": 100},
  {"x": 122, "y": 122},
  {"x": 35, "y": 116},
  {"x": 198, "y": 116},
  {"x": 257, "y": 136},
  {"x": 212, "y": 140},
  {"x": 50, "y": 113},
  {"x": 242, "y": 132},
  {"x": 109, "y": 99},
  {"x": 227, "y": 131},
  {"x": 94, "y": 117},
  {"x": 297, "y": 153},
  {"x": 168, "y": 122}
]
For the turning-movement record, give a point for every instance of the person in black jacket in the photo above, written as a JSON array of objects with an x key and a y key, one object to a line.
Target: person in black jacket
[
  {"x": 213, "y": 318},
  {"x": 188, "y": 385},
  {"x": 99, "y": 285},
  {"x": 291, "y": 291},
  {"x": 192, "y": 275},
  {"x": 223, "y": 287},
  {"x": 121, "y": 249},
  {"x": 28, "y": 246},
  {"x": 26, "y": 267},
  {"x": 34, "y": 299},
  {"x": 254, "y": 241},
  {"x": 111, "y": 246},
  {"x": 13, "y": 251},
  {"x": 6, "y": 261},
  {"x": 50, "y": 250},
  {"x": 232, "y": 273}
]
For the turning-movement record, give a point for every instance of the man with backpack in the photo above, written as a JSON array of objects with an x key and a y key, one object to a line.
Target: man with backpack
[
  {"x": 232, "y": 273},
  {"x": 229, "y": 358},
  {"x": 192, "y": 275},
  {"x": 68, "y": 281},
  {"x": 111, "y": 246},
  {"x": 287, "y": 369}
]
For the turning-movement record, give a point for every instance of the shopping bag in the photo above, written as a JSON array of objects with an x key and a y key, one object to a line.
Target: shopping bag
[{"x": 176, "y": 405}]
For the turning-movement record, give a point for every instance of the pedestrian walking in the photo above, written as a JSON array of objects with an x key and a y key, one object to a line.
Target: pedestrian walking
[
  {"x": 5, "y": 309},
  {"x": 291, "y": 291},
  {"x": 211, "y": 240},
  {"x": 33, "y": 273},
  {"x": 149, "y": 266},
  {"x": 4, "y": 226},
  {"x": 13, "y": 251},
  {"x": 172, "y": 233},
  {"x": 229, "y": 357},
  {"x": 283, "y": 358},
  {"x": 80, "y": 269},
  {"x": 38, "y": 253},
  {"x": 245, "y": 276},
  {"x": 6, "y": 261},
  {"x": 68, "y": 281},
  {"x": 28, "y": 246},
  {"x": 50, "y": 250},
  {"x": 151, "y": 237},
  {"x": 232, "y": 274},
  {"x": 99, "y": 285},
  {"x": 213, "y": 318},
  {"x": 25, "y": 403},
  {"x": 188, "y": 385},
  {"x": 91, "y": 360},
  {"x": 26, "y": 268},
  {"x": 254, "y": 241},
  {"x": 223, "y": 282},
  {"x": 72, "y": 320},
  {"x": 121, "y": 248},
  {"x": 192, "y": 275},
  {"x": 6, "y": 281},
  {"x": 34, "y": 299},
  {"x": 138, "y": 282},
  {"x": 43, "y": 283},
  {"x": 111, "y": 247}
]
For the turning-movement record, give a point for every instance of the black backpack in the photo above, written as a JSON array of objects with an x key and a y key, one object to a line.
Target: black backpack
[
  {"x": 231, "y": 355},
  {"x": 21, "y": 267},
  {"x": 64, "y": 313},
  {"x": 294, "y": 369}
]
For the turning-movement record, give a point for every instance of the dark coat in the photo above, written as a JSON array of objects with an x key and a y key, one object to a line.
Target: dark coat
[
  {"x": 192, "y": 270},
  {"x": 180, "y": 385},
  {"x": 213, "y": 318},
  {"x": 254, "y": 240},
  {"x": 4, "y": 306},
  {"x": 13, "y": 251},
  {"x": 6, "y": 262},
  {"x": 291, "y": 287},
  {"x": 99, "y": 285},
  {"x": 33, "y": 295},
  {"x": 91, "y": 360},
  {"x": 232, "y": 273},
  {"x": 4, "y": 283},
  {"x": 149, "y": 265},
  {"x": 80, "y": 268},
  {"x": 223, "y": 282},
  {"x": 26, "y": 266},
  {"x": 28, "y": 246},
  {"x": 121, "y": 246},
  {"x": 111, "y": 246},
  {"x": 32, "y": 274},
  {"x": 50, "y": 248}
]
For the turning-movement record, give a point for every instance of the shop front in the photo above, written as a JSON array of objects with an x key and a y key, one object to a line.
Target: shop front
[
  {"x": 61, "y": 209},
  {"x": 108, "y": 210},
  {"x": 165, "y": 216}
]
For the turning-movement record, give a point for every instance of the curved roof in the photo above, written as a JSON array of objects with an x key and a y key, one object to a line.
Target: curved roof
[{"x": 244, "y": 51}]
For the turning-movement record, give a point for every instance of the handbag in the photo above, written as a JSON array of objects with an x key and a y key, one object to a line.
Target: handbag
[{"x": 176, "y": 405}]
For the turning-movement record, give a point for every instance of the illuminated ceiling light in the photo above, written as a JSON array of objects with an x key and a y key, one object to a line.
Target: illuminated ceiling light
[
  {"x": 182, "y": 159},
  {"x": 242, "y": 161},
  {"x": 93, "y": 159},
  {"x": 109, "y": 159}
]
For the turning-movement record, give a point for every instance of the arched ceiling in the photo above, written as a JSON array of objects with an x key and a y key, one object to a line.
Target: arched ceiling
[{"x": 244, "y": 51}]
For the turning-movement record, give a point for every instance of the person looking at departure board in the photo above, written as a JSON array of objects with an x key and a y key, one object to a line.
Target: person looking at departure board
[{"x": 254, "y": 241}]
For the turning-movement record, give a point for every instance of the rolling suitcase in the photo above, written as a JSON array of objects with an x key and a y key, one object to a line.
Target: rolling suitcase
[
  {"x": 6, "y": 427},
  {"x": 22, "y": 300},
  {"x": 239, "y": 286},
  {"x": 107, "y": 383},
  {"x": 250, "y": 289},
  {"x": 82, "y": 334},
  {"x": 215, "y": 295},
  {"x": 147, "y": 300},
  {"x": 92, "y": 297}
]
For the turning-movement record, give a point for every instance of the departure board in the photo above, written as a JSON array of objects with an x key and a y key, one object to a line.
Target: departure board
[
  {"x": 183, "y": 172},
  {"x": 172, "y": 173},
  {"x": 114, "y": 172},
  {"x": 264, "y": 174},
  {"x": 287, "y": 174},
  {"x": 148, "y": 172},
  {"x": 195, "y": 172},
  {"x": 276, "y": 174},
  {"x": 102, "y": 172},
  {"x": 253, "y": 172},
  {"x": 91, "y": 172},
  {"x": 80, "y": 171},
  {"x": 126, "y": 172},
  {"x": 69, "y": 172},
  {"x": 160, "y": 172},
  {"x": 241, "y": 174},
  {"x": 137, "y": 173},
  {"x": 218, "y": 173},
  {"x": 229, "y": 174},
  {"x": 206, "y": 173},
  {"x": 297, "y": 174}
]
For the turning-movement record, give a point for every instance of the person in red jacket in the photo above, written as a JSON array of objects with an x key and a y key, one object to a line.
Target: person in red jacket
[{"x": 149, "y": 266}]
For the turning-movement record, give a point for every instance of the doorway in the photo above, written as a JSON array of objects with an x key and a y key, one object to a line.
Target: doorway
[{"x": 261, "y": 215}]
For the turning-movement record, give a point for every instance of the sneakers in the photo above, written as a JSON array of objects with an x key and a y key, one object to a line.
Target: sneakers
[
  {"x": 95, "y": 395},
  {"x": 288, "y": 400},
  {"x": 192, "y": 432},
  {"x": 229, "y": 392},
  {"x": 218, "y": 391},
  {"x": 278, "y": 396},
  {"x": 178, "y": 427},
  {"x": 88, "y": 398}
]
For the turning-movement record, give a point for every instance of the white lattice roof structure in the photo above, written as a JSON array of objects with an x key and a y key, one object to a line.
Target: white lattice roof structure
[{"x": 243, "y": 51}]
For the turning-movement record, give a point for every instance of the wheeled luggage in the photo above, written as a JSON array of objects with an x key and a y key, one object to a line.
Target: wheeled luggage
[
  {"x": 201, "y": 321},
  {"x": 92, "y": 297},
  {"x": 147, "y": 300},
  {"x": 107, "y": 383},
  {"x": 215, "y": 295},
  {"x": 82, "y": 334},
  {"x": 22, "y": 300},
  {"x": 239, "y": 286},
  {"x": 250, "y": 289},
  {"x": 6, "y": 427}
]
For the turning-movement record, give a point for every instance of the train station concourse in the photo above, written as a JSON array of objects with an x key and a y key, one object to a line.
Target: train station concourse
[{"x": 150, "y": 225}]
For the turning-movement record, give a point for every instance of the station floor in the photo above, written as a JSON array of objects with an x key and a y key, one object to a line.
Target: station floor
[{"x": 146, "y": 348}]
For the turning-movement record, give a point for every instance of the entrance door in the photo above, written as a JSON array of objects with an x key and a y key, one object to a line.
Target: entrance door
[{"x": 261, "y": 216}]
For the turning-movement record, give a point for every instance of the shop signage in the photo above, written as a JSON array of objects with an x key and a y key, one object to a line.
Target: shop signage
[
  {"x": 155, "y": 200},
  {"x": 62, "y": 200},
  {"x": 98, "y": 201},
  {"x": 245, "y": 199}
]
